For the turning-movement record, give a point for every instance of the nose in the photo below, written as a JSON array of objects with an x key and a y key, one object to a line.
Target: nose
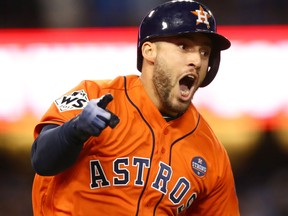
[{"x": 195, "y": 59}]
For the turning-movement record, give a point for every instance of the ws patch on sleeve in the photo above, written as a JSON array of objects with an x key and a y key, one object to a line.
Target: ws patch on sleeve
[{"x": 75, "y": 100}]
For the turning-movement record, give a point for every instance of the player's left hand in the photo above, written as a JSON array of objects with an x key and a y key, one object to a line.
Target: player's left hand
[{"x": 94, "y": 117}]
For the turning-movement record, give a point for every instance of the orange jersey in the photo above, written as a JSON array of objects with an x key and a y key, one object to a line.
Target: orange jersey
[{"x": 144, "y": 166}]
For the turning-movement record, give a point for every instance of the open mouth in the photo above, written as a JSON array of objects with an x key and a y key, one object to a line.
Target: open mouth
[{"x": 186, "y": 84}]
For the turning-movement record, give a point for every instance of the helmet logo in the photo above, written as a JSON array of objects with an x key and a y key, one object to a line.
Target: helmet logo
[{"x": 202, "y": 16}]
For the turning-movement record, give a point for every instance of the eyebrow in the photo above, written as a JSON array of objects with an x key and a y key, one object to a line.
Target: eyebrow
[{"x": 204, "y": 41}]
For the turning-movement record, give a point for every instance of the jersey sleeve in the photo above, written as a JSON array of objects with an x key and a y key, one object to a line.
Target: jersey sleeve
[{"x": 68, "y": 105}]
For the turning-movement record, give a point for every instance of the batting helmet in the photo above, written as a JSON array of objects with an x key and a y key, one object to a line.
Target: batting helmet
[{"x": 183, "y": 17}]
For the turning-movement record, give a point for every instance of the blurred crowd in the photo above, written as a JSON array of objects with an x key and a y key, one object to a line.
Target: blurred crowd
[{"x": 90, "y": 13}]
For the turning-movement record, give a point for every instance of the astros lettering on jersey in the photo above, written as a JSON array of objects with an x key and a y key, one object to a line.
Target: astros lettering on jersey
[{"x": 144, "y": 166}]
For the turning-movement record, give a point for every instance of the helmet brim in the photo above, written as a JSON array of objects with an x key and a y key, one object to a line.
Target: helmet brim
[{"x": 219, "y": 42}]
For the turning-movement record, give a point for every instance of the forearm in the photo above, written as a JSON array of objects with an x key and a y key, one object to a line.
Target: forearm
[{"x": 56, "y": 148}]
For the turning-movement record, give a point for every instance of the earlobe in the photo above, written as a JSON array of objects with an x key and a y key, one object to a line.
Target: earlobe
[{"x": 149, "y": 51}]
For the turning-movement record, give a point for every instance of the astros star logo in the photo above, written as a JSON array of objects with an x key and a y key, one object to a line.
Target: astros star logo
[{"x": 203, "y": 16}]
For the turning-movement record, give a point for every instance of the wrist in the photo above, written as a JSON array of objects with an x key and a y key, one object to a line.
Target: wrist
[{"x": 74, "y": 133}]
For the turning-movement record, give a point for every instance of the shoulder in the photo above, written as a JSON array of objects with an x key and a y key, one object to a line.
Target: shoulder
[{"x": 210, "y": 142}]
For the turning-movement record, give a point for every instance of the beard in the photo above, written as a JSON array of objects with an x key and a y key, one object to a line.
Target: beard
[{"x": 163, "y": 85}]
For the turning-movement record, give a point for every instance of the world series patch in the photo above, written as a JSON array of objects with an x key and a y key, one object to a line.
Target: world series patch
[
  {"x": 73, "y": 101},
  {"x": 199, "y": 166}
]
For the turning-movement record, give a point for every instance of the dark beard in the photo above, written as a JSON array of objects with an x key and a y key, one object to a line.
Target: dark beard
[{"x": 163, "y": 85}]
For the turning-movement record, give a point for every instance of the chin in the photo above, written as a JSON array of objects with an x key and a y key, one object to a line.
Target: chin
[
  {"x": 175, "y": 107},
  {"x": 180, "y": 107}
]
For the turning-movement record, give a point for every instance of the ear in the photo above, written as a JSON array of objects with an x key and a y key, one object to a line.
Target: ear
[{"x": 149, "y": 51}]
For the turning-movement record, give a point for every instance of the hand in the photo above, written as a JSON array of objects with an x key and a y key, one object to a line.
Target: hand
[{"x": 94, "y": 117}]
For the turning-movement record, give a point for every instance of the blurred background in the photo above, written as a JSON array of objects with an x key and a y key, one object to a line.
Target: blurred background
[{"x": 48, "y": 46}]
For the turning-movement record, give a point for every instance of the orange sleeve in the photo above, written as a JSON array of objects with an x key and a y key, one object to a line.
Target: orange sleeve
[{"x": 69, "y": 105}]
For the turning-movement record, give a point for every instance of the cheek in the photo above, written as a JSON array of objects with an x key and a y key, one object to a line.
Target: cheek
[
  {"x": 203, "y": 73},
  {"x": 204, "y": 68}
]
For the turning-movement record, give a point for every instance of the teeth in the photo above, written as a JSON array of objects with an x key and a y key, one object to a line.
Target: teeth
[
  {"x": 191, "y": 76},
  {"x": 185, "y": 93}
]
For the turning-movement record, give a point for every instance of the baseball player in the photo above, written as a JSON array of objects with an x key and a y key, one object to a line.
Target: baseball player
[{"x": 136, "y": 145}]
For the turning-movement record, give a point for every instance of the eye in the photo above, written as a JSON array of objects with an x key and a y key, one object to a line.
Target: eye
[
  {"x": 185, "y": 47},
  {"x": 182, "y": 46},
  {"x": 205, "y": 52}
]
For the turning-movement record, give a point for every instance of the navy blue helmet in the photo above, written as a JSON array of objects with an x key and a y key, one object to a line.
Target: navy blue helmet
[{"x": 183, "y": 17}]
